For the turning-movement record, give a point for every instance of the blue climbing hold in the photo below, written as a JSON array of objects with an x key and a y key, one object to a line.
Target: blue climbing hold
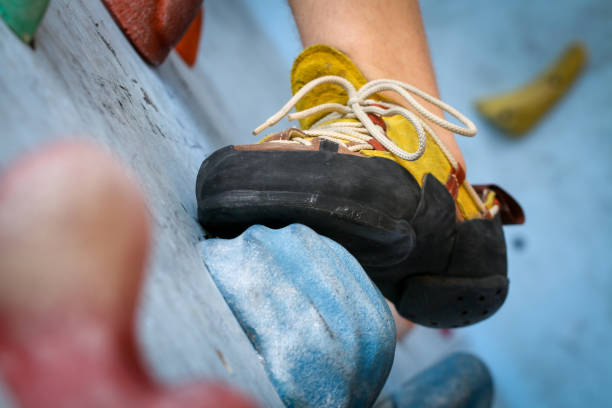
[
  {"x": 460, "y": 380},
  {"x": 324, "y": 331}
]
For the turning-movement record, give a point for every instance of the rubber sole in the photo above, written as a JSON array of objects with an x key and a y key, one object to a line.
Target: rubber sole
[
  {"x": 465, "y": 300},
  {"x": 376, "y": 237},
  {"x": 406, "y": 237}
]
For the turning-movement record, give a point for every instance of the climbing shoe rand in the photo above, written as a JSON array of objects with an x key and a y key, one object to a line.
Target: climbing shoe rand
[{"x": 373, "y": 176}]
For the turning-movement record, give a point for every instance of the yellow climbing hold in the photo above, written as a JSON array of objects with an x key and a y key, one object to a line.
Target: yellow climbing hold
[{"x": 519, "y": 110}]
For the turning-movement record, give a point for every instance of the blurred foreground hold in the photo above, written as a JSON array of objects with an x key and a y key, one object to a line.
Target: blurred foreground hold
[
  {"x": 23, "y": 16},
  {"x": 74, "y": 238},
  {"x": 519, "y": 110},
  {"x": 324, "y": 331},
  {"x": 458, "y": 381},
  {"x": 154, "y": 26}
]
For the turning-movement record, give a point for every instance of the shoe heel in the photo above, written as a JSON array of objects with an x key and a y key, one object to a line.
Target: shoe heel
[{"x": 443, "y": 302}]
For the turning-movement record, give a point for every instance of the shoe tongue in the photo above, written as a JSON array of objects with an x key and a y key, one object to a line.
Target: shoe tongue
[{"x": 317, "y": 61}]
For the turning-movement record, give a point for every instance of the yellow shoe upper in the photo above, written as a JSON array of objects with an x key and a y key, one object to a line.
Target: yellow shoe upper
[{"x": 319, "y": 61}]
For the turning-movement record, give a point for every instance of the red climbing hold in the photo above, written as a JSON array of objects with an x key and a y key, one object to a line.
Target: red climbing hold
[{"x": 154, "y": 26}]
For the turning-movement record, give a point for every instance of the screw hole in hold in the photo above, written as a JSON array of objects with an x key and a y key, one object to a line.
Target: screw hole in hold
[
  {"x": 433, "y": 323},
  {"x": 554, "y": 80},
  {"x": 485, "y": 312},
  {"x": 505, "y": 115},
  {"x": 498, "y": 291},
  {"x": 465, "y": 312},
  {"x": 460, "y": 299},
  {"x": 482, "y": 298}
]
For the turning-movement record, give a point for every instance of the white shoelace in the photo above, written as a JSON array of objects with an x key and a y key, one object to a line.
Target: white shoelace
[{"x": 358, "y": 106}]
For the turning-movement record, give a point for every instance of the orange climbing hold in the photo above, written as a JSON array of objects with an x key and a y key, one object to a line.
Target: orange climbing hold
[{"x": 187, "y": 48}]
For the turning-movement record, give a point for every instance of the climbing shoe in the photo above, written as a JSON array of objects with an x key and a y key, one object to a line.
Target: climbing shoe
[{"x": 372, "y": 175}]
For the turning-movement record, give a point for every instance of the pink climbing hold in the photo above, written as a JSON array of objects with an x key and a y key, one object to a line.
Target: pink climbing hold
[{"x": 74, "y": 238}]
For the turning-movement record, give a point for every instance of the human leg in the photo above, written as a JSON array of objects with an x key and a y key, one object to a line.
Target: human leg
[{"x": 385, "y": 39}]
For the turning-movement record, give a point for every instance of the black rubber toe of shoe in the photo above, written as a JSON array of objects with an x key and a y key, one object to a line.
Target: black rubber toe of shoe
[
  {"x": 438, "y": 272},
  {"x": 362, "y": 203}
]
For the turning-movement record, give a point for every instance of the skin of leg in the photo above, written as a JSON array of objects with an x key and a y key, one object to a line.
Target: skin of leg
[
  {"x": 385, "y": 38},
  {"x": 402, "y": 326},
  {"x": 74, "y": 240}
]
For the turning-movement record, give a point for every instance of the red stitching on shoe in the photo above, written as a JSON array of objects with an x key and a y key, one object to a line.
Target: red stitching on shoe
[
  {"x": 454, "y": 180},
  {"x": 377, "y": 120}
]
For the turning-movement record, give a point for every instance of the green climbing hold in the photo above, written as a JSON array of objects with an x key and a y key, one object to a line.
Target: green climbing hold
[{"x": 23, "y": 16}]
